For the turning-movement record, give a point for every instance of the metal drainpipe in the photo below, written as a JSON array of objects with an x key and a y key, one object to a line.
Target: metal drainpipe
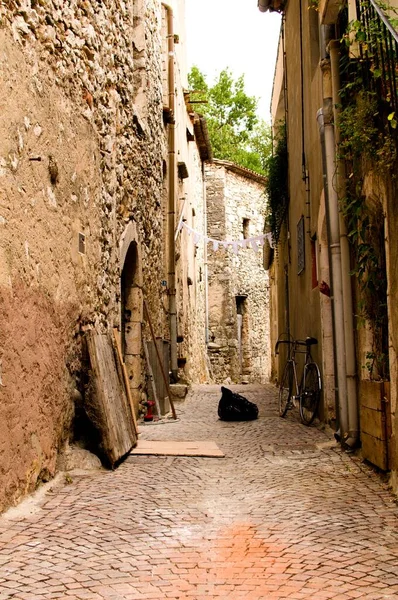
[
  {"x": 205, "y": 258},
  {"x": 171, "y": 201},
  {"x": 352, "y": 17},
  {"x": 325, "y": 121},
  {"x": 263, "y": 5},
  {"x": 352, "y": 397}
]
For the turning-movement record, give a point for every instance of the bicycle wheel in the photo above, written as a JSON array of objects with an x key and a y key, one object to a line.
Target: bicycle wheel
[
  {"x": 285, "y": 389},
  {"x": 310, "y": 393}
]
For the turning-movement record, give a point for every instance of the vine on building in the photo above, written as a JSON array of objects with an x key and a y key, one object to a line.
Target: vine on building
[
  {"x": 277, "y": 186},
  {"x": 368, "y": 128}
]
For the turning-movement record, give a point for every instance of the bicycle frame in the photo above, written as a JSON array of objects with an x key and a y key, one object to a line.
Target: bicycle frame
[{"x": 307, "y": 392}]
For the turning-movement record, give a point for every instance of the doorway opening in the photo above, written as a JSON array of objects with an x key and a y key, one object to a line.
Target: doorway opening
[
  {"x": 131, "y": 319},
  {"x": 244, "y": 358},
  {"x": 127, "y": 296}
]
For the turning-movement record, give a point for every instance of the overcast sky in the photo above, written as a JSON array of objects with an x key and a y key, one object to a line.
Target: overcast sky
[{"x": 234, "y": 34}]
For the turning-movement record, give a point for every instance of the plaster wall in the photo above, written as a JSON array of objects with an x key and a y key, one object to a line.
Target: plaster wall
[
  {"x": 379, "y": 195},
  {"x": 189, "y": 207},
  {"x": 191, "y": 276},
  {"x": 304, "y": 98}
]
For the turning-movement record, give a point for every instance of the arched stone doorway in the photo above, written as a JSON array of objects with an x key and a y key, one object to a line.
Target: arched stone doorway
[{"x": 131, "y": 308}]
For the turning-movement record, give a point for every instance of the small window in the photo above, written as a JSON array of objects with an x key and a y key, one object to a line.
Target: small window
[
  {"x": 182, "y": 170},
  {"x": 240, "y": 304},
  {"x": 300, "y": 246},
  {"x": 314, "y": 263},
  {"x": 82, "y": 243},
  {"x": 246, "y": 223}
]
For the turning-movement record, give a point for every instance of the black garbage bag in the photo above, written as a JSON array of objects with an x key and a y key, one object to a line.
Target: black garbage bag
[{"x": 233, "y": 407}]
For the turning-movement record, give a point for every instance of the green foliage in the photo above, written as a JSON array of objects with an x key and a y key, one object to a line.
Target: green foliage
[
  {"x": 277, "y": 186},
  {"x": 236, "y": 133},
  {"x": 368, "y": 144},
  {"x": 377, "y": 365},
  {"x": 393, "y": 121},
  {"x": 197, "y": 82},
  {"x": 366, "y": 233},
  {"x": 363, "y": 132},
  {"x": 374, "y": 69}
]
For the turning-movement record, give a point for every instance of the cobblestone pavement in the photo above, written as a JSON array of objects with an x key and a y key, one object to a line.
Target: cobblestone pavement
[{"x": 285, "y": 514}]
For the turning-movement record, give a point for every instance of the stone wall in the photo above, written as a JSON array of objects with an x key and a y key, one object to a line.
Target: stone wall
[
  {"x": 191, "y": 278},
  {"x": 237, "y": 283},
  {"x": 81, "y": 149}
]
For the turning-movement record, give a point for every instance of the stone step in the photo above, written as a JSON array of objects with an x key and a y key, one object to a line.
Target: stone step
[{"x": 178, "y": 390}]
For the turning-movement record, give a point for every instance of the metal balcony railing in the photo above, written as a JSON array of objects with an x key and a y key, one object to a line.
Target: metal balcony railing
[{"x": 379, "y": 52}]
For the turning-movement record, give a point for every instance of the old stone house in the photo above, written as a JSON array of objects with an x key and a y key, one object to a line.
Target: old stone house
[
  {"x": 334, "y": 278},
  {"x": 185, "y": 190},
  {"x": 238, "y": 318},
  {"x": 97, "y": 140}
]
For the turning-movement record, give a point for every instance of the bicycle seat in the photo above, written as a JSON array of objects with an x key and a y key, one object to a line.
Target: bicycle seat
[{"x": 310, "y": 341}]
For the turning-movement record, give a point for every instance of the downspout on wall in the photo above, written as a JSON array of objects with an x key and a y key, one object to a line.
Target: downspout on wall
[
  {"x": 339, "y": 265},
  {"x": 171, "y": 218},
  {"x": 205, "y": 258},
  {"x": 332, "y": 221},
  {"x": 206, "y": 154},
  {"x": 263, "y": 5},
  {"x": 352, "y": 396}
]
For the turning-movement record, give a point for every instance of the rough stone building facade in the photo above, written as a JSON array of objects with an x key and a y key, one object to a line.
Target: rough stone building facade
[
  {"x": 84, "y": 173},
  {"x": 238, "y": 320}
]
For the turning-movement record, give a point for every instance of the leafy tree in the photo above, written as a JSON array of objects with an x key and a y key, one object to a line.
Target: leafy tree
[{"x": 236, "y": 132}]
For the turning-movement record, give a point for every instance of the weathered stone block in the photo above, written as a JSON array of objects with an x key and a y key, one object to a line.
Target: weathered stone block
[
  {"x": 133, "y": 365},
  {"x": 137, "y": 305},
  {"x": 133, "y": 338},
  {"x": 178, "y": 391},
  {"x": 75, "y": 457}
]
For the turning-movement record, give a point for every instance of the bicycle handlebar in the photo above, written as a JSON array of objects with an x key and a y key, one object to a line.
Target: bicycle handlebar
[
  {"x": 309, "y": 341},
  {"x": 282, "y": 342}
]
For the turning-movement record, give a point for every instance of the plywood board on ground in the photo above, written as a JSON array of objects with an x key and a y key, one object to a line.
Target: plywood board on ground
[{"x": 177, "y": 448}]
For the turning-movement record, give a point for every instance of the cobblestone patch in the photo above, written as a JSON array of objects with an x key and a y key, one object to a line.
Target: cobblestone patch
[{"x": 285, "y": 514}]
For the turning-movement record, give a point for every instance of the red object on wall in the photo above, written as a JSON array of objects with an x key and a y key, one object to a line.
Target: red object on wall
[
  {"x": 149, "y": 415},
  {"x": 324, "y": 288}
]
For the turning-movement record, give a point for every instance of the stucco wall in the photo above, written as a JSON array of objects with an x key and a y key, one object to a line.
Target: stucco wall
[
  {"x": 298, "y": 303},
  {"x": 191, "y": 275},
  {"x": 305, "y": 313},
  {"x": 308, "y": 314},
  {"x": 81, "y": 148},
  {"x": 231, "y": 198},
  {"x": 189, "y": 206}
]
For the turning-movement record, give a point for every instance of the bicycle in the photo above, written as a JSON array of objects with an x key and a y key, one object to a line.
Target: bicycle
[{"x": 308, "y": 392}]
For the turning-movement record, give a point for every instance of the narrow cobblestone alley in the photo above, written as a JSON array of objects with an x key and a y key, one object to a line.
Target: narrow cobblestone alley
[{"x": 284, "y": 515}]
